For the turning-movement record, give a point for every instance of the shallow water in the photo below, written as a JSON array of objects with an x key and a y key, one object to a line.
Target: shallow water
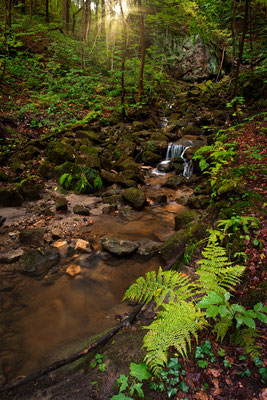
[{"x": 39, "y": 322}]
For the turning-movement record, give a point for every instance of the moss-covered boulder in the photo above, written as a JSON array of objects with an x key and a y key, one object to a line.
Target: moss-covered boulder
[
  {"x": 60, "y": 152},
  {"x": 184, "y": 218},
  {"x": 10, "y": 196},
  {"x": 174, "y": 181},
  {"x": 200, "y": 202},
  {"x": 35, "y": 263},
  {"x": 135, "y": 197},
  {"x": 62, "y": 204},
  {"x": 108, "y": 177},
  {"x": 16, "y": 164},
  {"x": 46, "y": 170},
  {"x": 178, "y": 242},
  {"x": 66, "y": 168},
  {"x": 129, "y": 164},
  {"x": 91, "y": 135},
  {"x": 29, "y": 153},
  {"x": 31, "y": 190},
  {"x": 150, "y": 158},
  {"x": 3, "y": 176},
  {"x": 93, "y": 161}
]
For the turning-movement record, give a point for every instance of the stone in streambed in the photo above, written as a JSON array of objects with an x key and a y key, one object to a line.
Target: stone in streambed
[
  {"x": 148, "y": 247},
  {"x": 10, "y": 196},
  {"x": 11, "y": 256},
  {"x": 32, "y": 237},
  {"x": 80, "y": 210},
  {"x": 184, "y": 218},
  {"x": 118, "y": 246},
  {"x": 61, "y": 204},
  {"x": 73, "y": 270},
  {"x": 135, "y": 197},
  {"x": 36, "y": 263},
  {"x": 174, "y": 181}
]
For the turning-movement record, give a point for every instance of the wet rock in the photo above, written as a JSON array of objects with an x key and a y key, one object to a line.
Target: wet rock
[
  {"x": 56, "y": 233},
  {"x": 11, "y": 256},
  {"x": 192, "y": 130},
  {"x": 10, "y": 196},
  {"x": 32, "y": 237},
  {"x": 129, "y": 165},
  {"x": 180, "y": 240},
  {"x": 83, "y": 246},
  {"x": 165, "y": 166},
  {"x": 60, "y": 152},
  {"x": 81, "y": 210},
  {"x": 147, "y": 247},
  {"x": 199, "y": 202},
  {"x": 174, "y": 182},
  {"x": 62, "y": 246},
  {"x": 184, "y": 218},
  {"x": 135, "y": 197},
  {"x": 61, "y": 204},
  {"x": 182, "y": 198},
  {"x": 118, "y": 246},
  {"x": 109, "y": 177},
  {"x": 2, "y": 220},
  {"x": 73, "y": 270},
  {"x": 150, "y": 158},
  {"x": 159, "y": 199},
  {"x": 35, "y": 263}
]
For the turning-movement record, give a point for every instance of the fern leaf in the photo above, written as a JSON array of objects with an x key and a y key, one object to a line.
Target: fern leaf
[{"x": 175, "y": 324}]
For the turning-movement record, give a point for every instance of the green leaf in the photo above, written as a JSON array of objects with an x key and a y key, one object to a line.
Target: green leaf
[
  {"x": 171, "y": 391},
  {"x": 202, "y": 363},
  {"x": 242, "y": 357},
  {"x": 174, "y": 364},
  {"x": 227, "y": 364},
  {"x": 238, "y": 308},
  {"x": 257, "y": 307},
  {"x": 93, "y": 364},
  {"x": 221, "y": 352},
  {"x": 223, "y": 311},
  {"x": 212, "y": 311},
  {"x": 102, "y": 367},
  {"x": 262, "y": 317},
  {"x": 138, "y": 388},
  {"x": 183, "y": 387},
  {"x": 257, "y": 362},
  {"x": 99, "y": 357},
  {"x": 139, "y": 371},
  {"x": 211, "y": 298},
  {"x": 121, "y": 396},
  {"x": 249, "y": 322},
  {"x": 263, "y": 373},
  {"x": 199, "y": 353},
  {"x": 122, "y": 381}
]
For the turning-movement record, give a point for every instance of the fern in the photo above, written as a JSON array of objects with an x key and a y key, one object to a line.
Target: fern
[
  {"x": 159, "y": 286},
  {"x": 65, "y": 180},
  {"x": 247, "y": 339},
  {"x": 175, "y": 324},
  {"x": 216, "y": 273}
]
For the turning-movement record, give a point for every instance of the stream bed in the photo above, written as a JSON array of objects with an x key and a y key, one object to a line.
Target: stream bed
[{"x": 41, "y": 322}]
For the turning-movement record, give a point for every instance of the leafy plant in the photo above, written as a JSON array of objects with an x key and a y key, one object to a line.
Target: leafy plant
[{"x": 98, "y": 361}]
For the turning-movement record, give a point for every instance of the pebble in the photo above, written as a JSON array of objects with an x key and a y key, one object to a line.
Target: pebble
[
  {"x": 73, "y": 270},
  {"x": 82, "y": 245}
]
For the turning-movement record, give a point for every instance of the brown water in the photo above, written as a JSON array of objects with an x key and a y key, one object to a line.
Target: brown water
[{"x": 38, "y": 322}]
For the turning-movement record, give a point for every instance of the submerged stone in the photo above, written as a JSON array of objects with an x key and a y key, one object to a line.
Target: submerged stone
[
  {"x": 118, "y": 246},
  {"x": 35, "y": 263}
]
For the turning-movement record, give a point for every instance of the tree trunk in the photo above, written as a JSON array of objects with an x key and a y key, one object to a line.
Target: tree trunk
[
  {"x": 47, "y": 11},
  {"x": 23, "y": 7},
  {"x": 123, "y": 59},
  {"x": 74, "y": 20},
  {"x": 8, "y": 7},
  {"x": 241, "y": 48},
  {"x": 31, "y": 4},
  {"x": 233, "y": 36},
  {"x": 143, "y": 51},
  {"x": 103, "y": 17},
  {"x": 89, "y": 19},
  {"x": 67, "y": 15}
]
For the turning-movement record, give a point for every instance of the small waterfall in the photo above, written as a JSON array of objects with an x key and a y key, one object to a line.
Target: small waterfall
[{"x": 178, "y": 150}]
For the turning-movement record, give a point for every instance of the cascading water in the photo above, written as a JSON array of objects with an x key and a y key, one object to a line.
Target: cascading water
[{"x": 178, "y": 150}]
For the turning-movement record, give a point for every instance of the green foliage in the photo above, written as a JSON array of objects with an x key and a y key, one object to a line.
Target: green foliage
[
  {"x": 216, "y": 273},
  {"x": 98, "y": 361},
  {"x": 83, "y": 180}
]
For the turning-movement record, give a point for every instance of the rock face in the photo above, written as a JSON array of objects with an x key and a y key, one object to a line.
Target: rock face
[
  {"x": 118, "y": 246},
  {"x": 34, "y": 263},
  {"x": 195, "y": 60},
  {"x": 135, "y": 197}
]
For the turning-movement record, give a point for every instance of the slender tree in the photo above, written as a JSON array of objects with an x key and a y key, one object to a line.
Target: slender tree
[
  {"x": 124, "y": 49},
  {"x": 143, "y": 51}
]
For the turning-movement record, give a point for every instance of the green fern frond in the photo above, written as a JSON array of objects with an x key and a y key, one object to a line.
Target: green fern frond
[
  {"x": 65, "y": 180},
  {"x": 222, "y": 326},
  {"x": 174, "y": 326},
  {"x": 158, "y": 286},
  {"x": 247, "y": 339},
  {"x": 216, "y": 272}
]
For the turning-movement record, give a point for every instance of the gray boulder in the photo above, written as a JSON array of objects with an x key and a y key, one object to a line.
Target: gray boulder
[{"x": 118, "y": 246}]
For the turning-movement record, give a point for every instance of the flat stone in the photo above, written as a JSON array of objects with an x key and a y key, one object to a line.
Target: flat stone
[
  {"x": 147, "y": 247},
  {"x": 73, "y": 270},
  {"x": 36, "y": 263},
  {"x": 82, "y": 245},
  {"x": 118, "y": 246},
  {"x": 11, "y": 256},
  {"x": 80, "y": 210}
]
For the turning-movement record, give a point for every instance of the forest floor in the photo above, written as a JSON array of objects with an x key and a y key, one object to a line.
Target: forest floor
[{"x": 227, "y": 374}]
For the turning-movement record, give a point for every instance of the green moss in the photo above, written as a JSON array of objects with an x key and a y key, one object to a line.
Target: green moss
[
  {"x": 60, "y": 152},
  {"x": 135, "y": 197},
  {"x": 184, "y": 218}
]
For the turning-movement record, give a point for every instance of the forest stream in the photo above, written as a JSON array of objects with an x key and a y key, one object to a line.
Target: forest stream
[{"x": 45, "y": 318}]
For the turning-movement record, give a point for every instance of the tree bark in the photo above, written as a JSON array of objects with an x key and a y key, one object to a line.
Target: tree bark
[
  {"x": 143, "y": 52},
  {"x": 233, "y": 35},
  {"x": 31, "y": 5},
  {"x": 67, "y": 15},
  {"x": 241, "y": 48},
  {"x": 47, "y": 11},
  {"x": 124, "y": 30},
  {"x": 103, "y": 17},
  {"x": 89, "y": 19},
  {"x": 74, "y": 20}
]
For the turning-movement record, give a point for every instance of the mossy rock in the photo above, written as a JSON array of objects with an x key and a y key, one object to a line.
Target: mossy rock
[
  {"x": 89, "y": 150},
  {"x": 135, "y": 197},
  {"x": 174, "y": 181},
  {"x": 184, "y": 218},
  {"x": 32, "y": 237},
  {"x": 31, "y": 190},
  {"x": 114, "y": 199},
  {"x": 10, "y": 196},
  {"x": 150, "y": 158},
  {"x": 46, "y": 170},
  {"x": 129, "y": 165},
  {"x": 30, "y": 153},
  {"x": 93, "y": 161},
  {"x": 91, "y": 135},
  {"x": 66, "y": 168},
  {"x": 130, "y": 175},
  {"x": 16, "y": 164},
  {"x": 181, "y": 240},
  {"x": 199, "y": 202},
  {"x": 227, "y": 187},
  {"x": 108, "y": 177},
  {"x": 60, "y": 152},
  {"x": 105, "y": 162}
]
